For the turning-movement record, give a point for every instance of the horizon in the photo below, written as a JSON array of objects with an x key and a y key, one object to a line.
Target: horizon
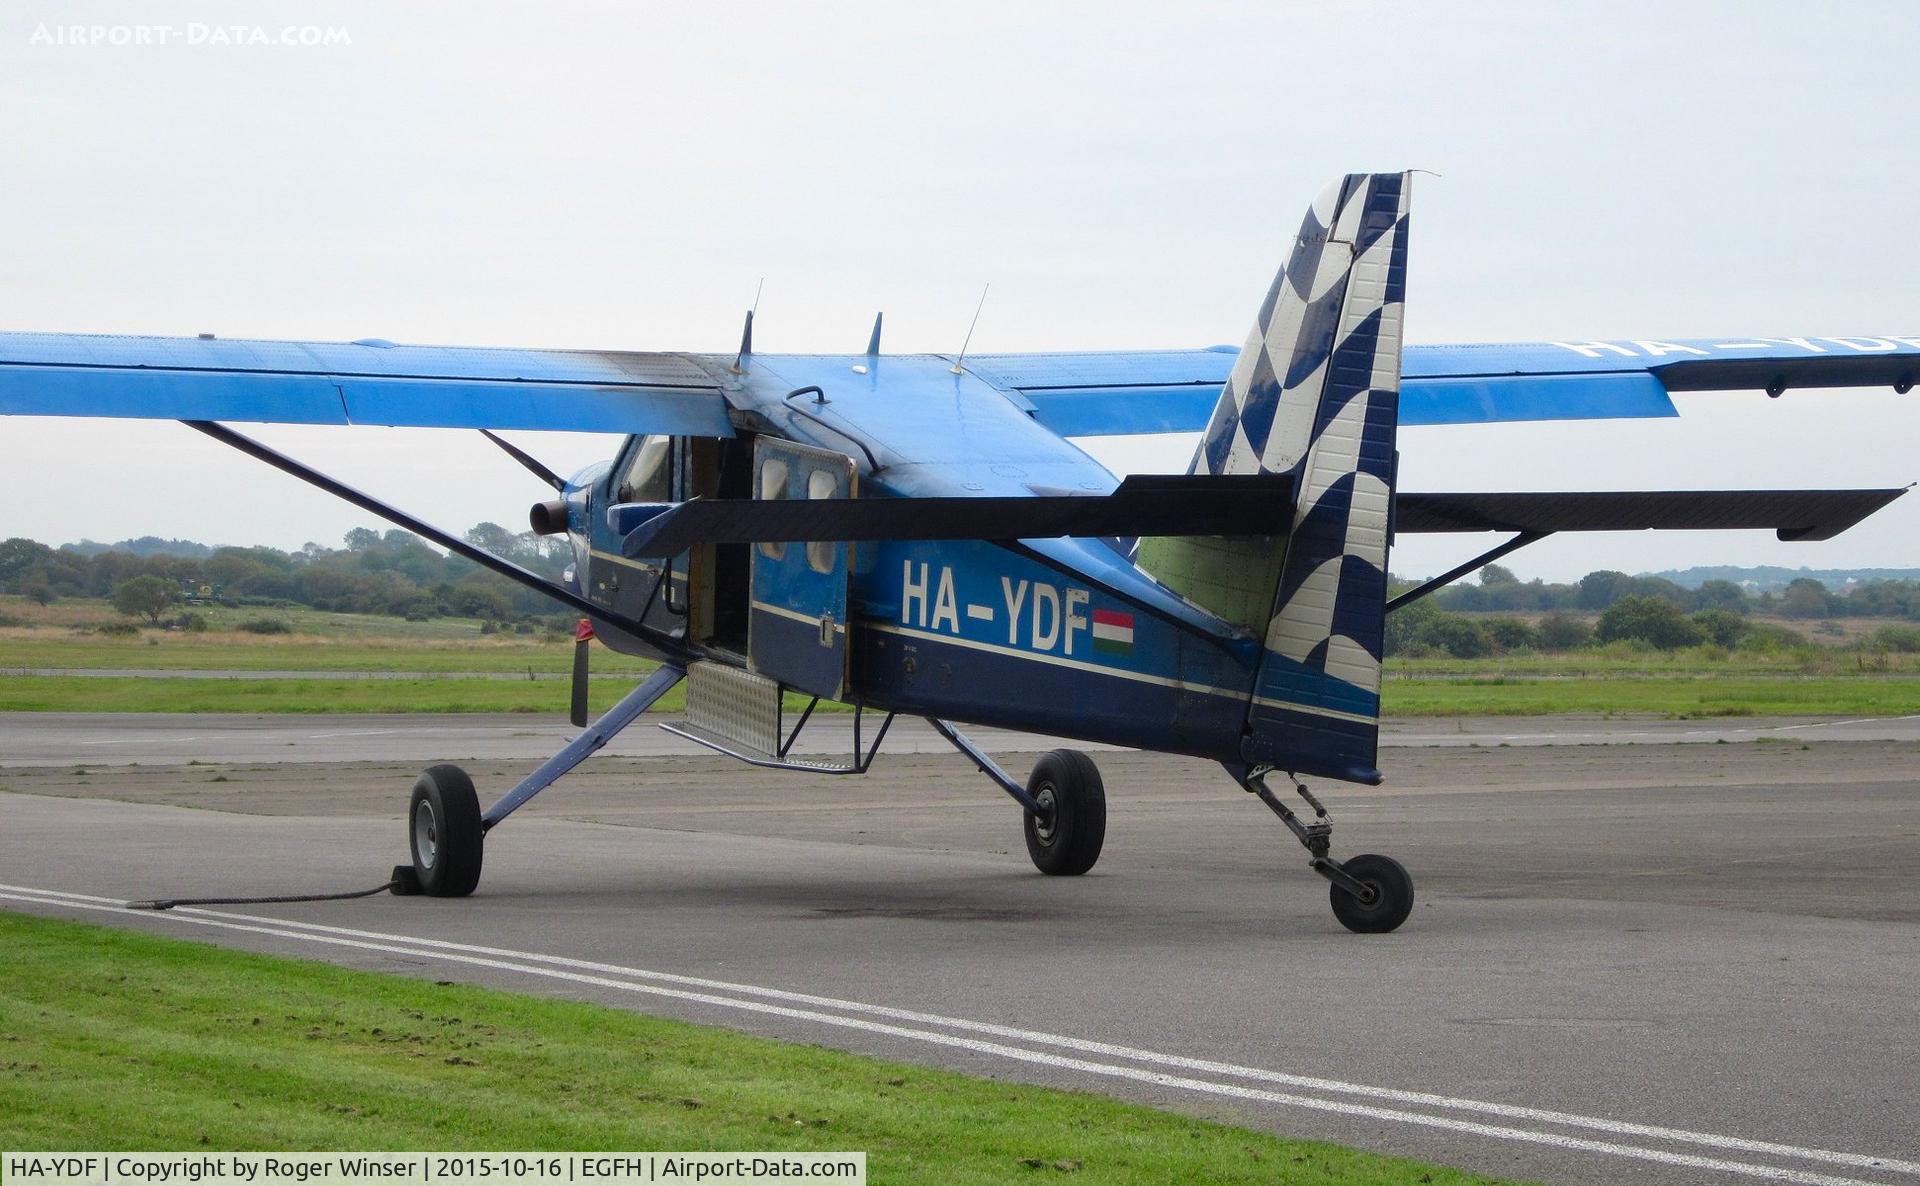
[{"x": 1861, "y": 573}]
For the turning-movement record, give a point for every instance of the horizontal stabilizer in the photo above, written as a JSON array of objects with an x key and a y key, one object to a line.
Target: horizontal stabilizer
[
  {"x": 1793, "y": 514},
  {"x": 1244, "y": 504}
]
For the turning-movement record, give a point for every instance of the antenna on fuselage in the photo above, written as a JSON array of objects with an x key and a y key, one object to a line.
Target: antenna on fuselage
[
  {"x": 958, "y": 363},
  {"x": 873, "y": 343},
  {"x": 739, "y": 366}
]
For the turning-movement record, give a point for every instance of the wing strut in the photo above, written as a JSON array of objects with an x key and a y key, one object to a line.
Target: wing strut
[
  {"x": 425, "y": 530},
  {"x": 1474, "y": 565}
]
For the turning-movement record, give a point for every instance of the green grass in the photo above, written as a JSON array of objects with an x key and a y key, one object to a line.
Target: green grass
[
  {"x": 83, "y": 612},
  {"x": 76, "y": 693},
  {"x": 1673, "y": 696},
  {"x": 66, "y": 693},
  {"x": 1699, "y": 681},
  {"x": 162, "y": 651},
  {"x": 1677, "y": 696},
  {"x": 115, "y": 1040},
  {"x": 61, "y": 635},
  {"x": 1624, "y": 660}
]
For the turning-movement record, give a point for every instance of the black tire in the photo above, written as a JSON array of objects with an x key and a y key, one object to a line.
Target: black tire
[
  {"x": 1065, "y": 839},
  {"x": 443, "y": 825},
  {"x": 1392, "y": 898}
]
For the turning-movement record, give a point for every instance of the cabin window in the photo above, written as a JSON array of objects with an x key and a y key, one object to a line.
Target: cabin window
[
  {"x": 820, "y": 484},
  {"x": 649, "y": 476},
  {"x": 773, "y": 485}
]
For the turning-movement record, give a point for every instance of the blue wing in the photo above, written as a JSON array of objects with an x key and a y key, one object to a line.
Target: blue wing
[
  {"x": 1075, "y": 394},
  {"x": 1175, "y": 390},
  {"x": 367, "y": 382}
]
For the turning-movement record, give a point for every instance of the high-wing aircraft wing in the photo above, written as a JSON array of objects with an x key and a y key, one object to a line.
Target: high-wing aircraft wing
[
  {"x": 1116, "y": 393},
  {"x": 372, "y": 381},
  {"x": 366, "y": 382},
  {"x": 1791, "y": 514}
]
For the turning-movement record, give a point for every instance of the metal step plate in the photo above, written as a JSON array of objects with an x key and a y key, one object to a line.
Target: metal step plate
[
  {"x": 768, "y": 759},
  {"x": 734, "y": 705}
]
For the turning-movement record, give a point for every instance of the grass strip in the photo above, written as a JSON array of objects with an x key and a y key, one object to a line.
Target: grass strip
[
  {"x": 189, "y": 652},
  {"x": 1677, "y": 696},
  {"x": 70, "y": 693},
  {"x": 113, "y": 1039},
  {"x": 1669, "y": 696}
]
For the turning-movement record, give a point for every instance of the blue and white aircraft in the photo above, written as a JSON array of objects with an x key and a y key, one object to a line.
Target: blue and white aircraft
[{"x": 914, "y": 534}]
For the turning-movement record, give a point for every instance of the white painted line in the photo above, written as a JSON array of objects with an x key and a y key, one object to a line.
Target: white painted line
[
  {"x": 1834, "y": 724},
  {"x": 153, "y": 740},
  {"x": 557, "y": 967}
]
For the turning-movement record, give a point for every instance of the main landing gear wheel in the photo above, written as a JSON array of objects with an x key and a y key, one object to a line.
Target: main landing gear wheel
[
  {"x": 443, "y": 822},
  {"x": 1388, "y": 903},
  {"x": 1064, "y": 837}
]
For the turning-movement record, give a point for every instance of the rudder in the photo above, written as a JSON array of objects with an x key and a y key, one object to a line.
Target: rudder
[{"x": 1315, "y": 393}]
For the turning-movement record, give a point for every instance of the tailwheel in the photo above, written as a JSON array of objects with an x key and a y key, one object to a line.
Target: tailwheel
[
  {"x": 1385, "y": 898},
  {"x": 1064, "y": 836},
  {"x": 444, "y": 825},
  {"x": 1371, "y": 894}
]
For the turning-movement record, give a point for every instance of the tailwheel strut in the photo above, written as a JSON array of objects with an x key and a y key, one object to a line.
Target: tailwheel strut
[{"x": 1370, "y": 894}]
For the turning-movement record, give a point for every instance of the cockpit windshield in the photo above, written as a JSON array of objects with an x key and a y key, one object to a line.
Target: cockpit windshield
[{"x": 649, "y": 474}]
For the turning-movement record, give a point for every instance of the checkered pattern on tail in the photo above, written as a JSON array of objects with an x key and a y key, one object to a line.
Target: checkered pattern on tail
[
  {"x": 1316, "y": 392},
  {"x": 1267, "y": 414}
]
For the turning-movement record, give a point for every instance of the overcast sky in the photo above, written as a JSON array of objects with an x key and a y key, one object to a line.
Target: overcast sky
[{"x": 622, "y": 176}]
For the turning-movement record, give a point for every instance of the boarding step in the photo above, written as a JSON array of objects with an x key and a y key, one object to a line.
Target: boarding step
[
  {"x": 734, "y": 705},
  {"x": 739, "y": 713}
]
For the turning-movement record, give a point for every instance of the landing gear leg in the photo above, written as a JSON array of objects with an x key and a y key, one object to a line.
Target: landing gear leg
[
  {"x": 448, "y": 830},
  {"x": 1064, "y": 801},
  {"x": 1370, "y": 894}
]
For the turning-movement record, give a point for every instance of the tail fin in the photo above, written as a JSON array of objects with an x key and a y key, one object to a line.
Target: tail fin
[{"x": 1315, "y": 392}]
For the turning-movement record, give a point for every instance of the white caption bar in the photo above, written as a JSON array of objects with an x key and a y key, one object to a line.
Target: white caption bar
[{"x": 425, "y": 1169}]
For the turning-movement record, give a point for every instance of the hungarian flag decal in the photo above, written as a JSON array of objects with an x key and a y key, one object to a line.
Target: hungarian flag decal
[{"x": 1112, "y": 632}]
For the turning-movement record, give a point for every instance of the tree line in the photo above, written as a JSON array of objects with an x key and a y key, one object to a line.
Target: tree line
[
  {"x": 1472, "y": 622},
  {"x": 396, "y": 573},
  {"x": 374, "y": 573},
  {"x": 1499, "y": 591}
]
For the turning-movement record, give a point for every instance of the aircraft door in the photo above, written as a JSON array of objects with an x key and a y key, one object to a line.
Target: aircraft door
[
  {"x": 797, "y": 630},
  {"x": 651, "y": 471}
]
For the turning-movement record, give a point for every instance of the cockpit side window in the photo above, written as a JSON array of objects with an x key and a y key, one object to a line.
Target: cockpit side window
[{"x": 649, "y": 475}]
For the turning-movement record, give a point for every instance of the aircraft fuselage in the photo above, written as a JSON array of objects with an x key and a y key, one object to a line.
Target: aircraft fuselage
[{"x": 1060, "y": 636}]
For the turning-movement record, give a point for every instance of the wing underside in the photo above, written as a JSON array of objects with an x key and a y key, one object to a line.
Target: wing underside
[
  {"x": 1075, "y": 394},
  {"x": 370, "y": 382}
]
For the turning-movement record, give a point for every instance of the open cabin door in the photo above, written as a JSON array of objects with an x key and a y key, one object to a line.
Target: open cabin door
[{"x": 798, "y": 622}]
